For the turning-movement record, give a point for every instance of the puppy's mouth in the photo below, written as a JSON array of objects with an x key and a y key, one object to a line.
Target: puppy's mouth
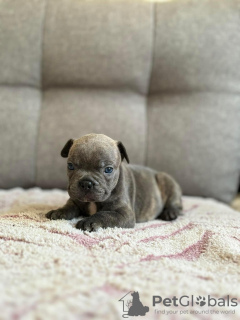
[{"x": 88, "y": 195}]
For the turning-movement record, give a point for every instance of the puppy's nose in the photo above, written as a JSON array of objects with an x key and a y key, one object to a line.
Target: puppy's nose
[{"x": 86, "y": 184}]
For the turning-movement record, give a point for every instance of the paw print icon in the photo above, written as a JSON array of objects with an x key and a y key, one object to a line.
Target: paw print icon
[{"x": 201, "y": 301}]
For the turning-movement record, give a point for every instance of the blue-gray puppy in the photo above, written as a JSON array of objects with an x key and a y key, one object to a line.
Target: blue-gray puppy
[{"x": 109, "y": 193}]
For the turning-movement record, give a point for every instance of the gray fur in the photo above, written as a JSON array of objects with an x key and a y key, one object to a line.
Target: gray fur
[{"x": 129, "y": 194}]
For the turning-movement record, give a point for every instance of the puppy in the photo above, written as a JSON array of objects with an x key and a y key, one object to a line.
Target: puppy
[{"x": 110, "y": 193}]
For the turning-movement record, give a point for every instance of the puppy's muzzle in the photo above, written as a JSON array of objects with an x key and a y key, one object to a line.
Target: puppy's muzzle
[{"x": 86, "y": 185}]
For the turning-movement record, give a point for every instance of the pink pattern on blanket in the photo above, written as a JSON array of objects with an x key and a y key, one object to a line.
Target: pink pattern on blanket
[
  {"x": 84, "y": 240},
  {"x": 20, "y": 240},
  {"x": 111, "y": 290},
  {"x": 195, "y": 206},
  {"x": 236, "y": 238},
  {"x": 21, "y": 312},
  {"x": 146, "y": 227},
  {"x": 187, "y": 227},
  {"x": 191, "y": 253}
]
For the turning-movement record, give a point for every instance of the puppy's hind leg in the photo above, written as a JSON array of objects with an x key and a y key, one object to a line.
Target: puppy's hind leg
[{"x": 171, "y": 196}]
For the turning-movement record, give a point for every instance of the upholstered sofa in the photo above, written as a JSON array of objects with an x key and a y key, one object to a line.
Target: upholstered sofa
[{"x": 162, "y": 77}]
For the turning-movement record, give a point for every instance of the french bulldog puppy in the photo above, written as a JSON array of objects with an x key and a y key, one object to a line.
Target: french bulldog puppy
[{"x": 106, "y": 192}]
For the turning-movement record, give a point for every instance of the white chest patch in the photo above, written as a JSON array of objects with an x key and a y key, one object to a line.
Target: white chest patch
[{"x": 92, "y": 208}]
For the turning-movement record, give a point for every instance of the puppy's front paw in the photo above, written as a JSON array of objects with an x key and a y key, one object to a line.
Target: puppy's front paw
[
  {"x": 91, "y": 224},
  {"x": 57, "y": 214},
  {"x": 170, "y": 213}
]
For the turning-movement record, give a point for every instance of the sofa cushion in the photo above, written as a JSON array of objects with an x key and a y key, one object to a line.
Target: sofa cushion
[
  {"x": 21, "y": 28},
  {"x": 103, "y": 44},
  {"x": 20, "y": 111},
  {"x": 196, "y": 47},
  {"x": 196, "y": 138}
]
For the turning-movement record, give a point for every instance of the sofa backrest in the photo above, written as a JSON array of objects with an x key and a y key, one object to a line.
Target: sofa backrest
[{"x": 163, "y": 78}]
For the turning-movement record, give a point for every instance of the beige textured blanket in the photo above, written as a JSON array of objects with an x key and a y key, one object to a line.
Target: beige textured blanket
[{"x": 50, "y": 270}]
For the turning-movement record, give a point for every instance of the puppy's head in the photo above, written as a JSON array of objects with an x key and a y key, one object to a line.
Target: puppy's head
[{"x": 93, "y": 166}]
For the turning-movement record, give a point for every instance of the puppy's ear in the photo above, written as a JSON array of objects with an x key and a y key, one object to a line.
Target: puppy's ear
[
  {"x": 66, "y": 148},
  {"x": 122, "y": 151}
]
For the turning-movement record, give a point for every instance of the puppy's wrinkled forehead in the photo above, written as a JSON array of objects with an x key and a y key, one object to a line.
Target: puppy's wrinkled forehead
[{"x": 99, "y": 150}]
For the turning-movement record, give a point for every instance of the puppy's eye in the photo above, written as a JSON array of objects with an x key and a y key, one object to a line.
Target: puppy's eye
[
  {"x": 108, "y": 170},
  {"x": 70, "y": 166}
]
